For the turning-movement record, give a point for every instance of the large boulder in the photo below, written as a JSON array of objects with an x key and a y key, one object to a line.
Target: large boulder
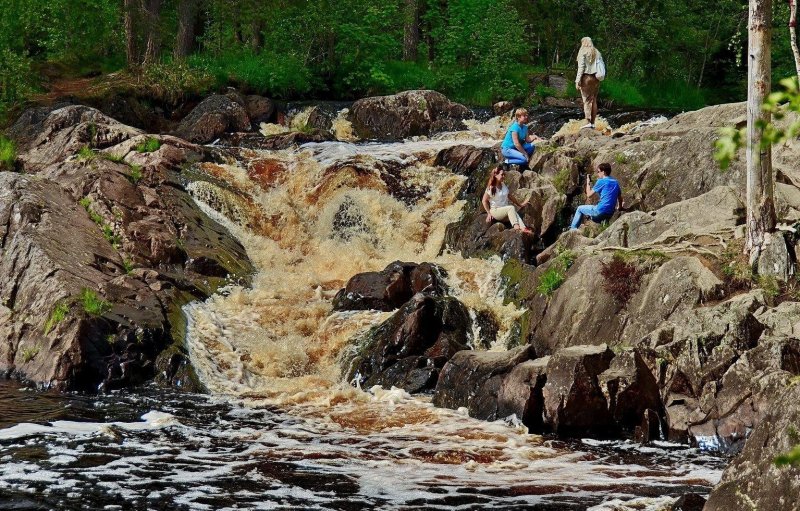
[
  {"x": 630, "y": 389},
  {"x": 389, "y": 289},
  {"x": 754, "y": 480},
  {"x": 73, "y": 318},
  {"x": 574, "y": 403},
  {"x": 214, "y": 116},
  {"x": 475, "y": 380},
  {"x": 409, "y": 349},
  {"x": 153, "y": 234},
  {"x": 406, "y": 114}
]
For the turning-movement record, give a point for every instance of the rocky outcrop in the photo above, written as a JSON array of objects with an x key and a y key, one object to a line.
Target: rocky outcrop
[
  {"x": 389, "y": 289},
  {"x": 406, "y": 114},
  {"x": 410, "y": 348},
  {"x": 148, "y": 249},
  {"x": 480, "y": 381},
  {"x": 754, "y": 480},
  {"x": 214, "y": 116}
]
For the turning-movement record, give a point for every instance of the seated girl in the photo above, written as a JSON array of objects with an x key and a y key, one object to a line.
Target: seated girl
[
  {"x": 496, "y": 198},
  {"x": 517, "y": 146}
]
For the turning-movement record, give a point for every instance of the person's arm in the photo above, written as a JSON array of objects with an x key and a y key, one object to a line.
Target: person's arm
[
  {"x": 581, "y": 69},
  {"x": 589, "y": 189},
  {"x": 518, "y": 143},
  {"x": 518, "y": 204},
  {"x": 485, "y": 202}
]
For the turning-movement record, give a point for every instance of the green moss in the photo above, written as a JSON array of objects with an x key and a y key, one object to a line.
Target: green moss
[
  {"x": 92, "y": 304},
  {"x": 86, "y": 153},
  {"x": 519, "y": 331},
  {"x": 116, "y": 158},
  {"x": 8, "y": 154},
  {"x": 149, "y": 145},
  {"x": 29, "y": 354},
  {"x": 135, "y": 175},
  {"x": 57, "y": 315}
]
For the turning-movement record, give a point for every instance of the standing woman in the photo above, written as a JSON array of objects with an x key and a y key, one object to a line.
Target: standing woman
[
  {"x": 587, "y": 80},
  {"x": 495, "y": 202}
]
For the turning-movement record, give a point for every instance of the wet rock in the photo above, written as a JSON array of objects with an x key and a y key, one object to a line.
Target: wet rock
[
  {"x": 54, "y": 258},
  {"x": 390, "y": 288},
  {"x": 689, "y": 502},
  {"x": 573, "y": 401},
  {"x": 214, "y": 116},
  {"x": 279, "y": 141},
  {"x": 409, "y": 349},
  {"x": 406, "y": 114},
  {"x": 502, "y": 107},
  {"x": 470, "y": 161},
  {"x": 650, "y": 428},
  {"x": 475, "y": 379},
  {"x": 259, "y": 109},
  {"x": 753, "y": 480},
  {"x": 630, "y": 389},
  {"x": 521, "y": 393},
  {"x": 47, "y": 136}
]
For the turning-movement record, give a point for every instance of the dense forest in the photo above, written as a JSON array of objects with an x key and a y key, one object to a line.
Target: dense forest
[{"x": 659, "y": 53}]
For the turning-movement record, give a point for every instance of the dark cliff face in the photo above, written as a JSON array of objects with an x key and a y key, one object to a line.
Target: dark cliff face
[{"x": 102, "y": 245}]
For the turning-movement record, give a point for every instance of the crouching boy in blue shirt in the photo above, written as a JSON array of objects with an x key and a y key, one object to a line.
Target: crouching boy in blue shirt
[{"x": 610, "y": 197}]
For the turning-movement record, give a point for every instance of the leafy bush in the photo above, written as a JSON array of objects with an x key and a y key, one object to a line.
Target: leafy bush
[
  {"x": 621, "y": 278},
  {"x": 93, "y": 304},
  {"x": 175, "y": 81},
  {"x": 8, "y": 154},
  {"x": 149, "y": 145},
  {"x": 279, "y": 76}
]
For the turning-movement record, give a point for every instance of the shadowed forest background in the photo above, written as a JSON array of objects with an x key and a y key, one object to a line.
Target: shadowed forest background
[{"x": 659, "y": 53}]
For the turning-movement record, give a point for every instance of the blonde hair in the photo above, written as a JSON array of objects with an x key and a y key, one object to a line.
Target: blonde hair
[
  {"x": 519, "y": 111},
  {"x": 587, "y": 49}
]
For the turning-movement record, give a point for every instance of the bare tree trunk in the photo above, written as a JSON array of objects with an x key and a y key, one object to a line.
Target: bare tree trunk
[
  {"x": 256, "y": 38},
  {"x": 411, "y": 30},
  {"x": 131, "y": 50},
  {"x": 793, "y": 34},
  {"x": 187, "y": 16},
  {"x": 152, "y": 16},
  {"x": 760, "y": 186}
]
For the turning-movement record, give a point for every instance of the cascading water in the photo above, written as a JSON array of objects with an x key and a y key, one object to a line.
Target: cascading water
[{"x": 281, "y": 430}]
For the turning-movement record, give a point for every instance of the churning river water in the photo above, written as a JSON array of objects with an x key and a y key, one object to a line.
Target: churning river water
[{"x": 278, "y": 428}]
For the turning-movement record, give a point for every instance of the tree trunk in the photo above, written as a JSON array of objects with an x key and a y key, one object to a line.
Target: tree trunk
[
  {"x": 760, "y": 186},
  {"x": 793, "y": 35},
  {"x": 411, "y": 30},
  {"x": 187, "y": 16},
  {"x": 131, "y": 50},
  {"x": 153, "y": 29},
  {"x": 256, "y": 38}
]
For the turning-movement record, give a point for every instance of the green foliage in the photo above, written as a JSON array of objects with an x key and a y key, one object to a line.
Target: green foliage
[
  {"x": 92, "y": 304},
  {"x": 562, "y": 180},
  {"x": 8, "y": 154},
  {"x": 128, "y": 265},
  {"x": 135, "y": 175},
  {"x": 85, "y": 153},
  {"x": 116, "y": 158},
  {"x": 107, "y": 230},
  {"x": 57, "y": 315},
  {"x": 554, "y": 276},
  {"x": 149, "y": 145},
  {"x": 770, "y": 286},
  {"x": 29, "y": 354},
  {"x": 175, "y": 81},
  {"x": 790, "y": 458}
]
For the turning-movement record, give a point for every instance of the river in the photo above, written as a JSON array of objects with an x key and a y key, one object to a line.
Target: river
[{"x": 278, "y": 428}]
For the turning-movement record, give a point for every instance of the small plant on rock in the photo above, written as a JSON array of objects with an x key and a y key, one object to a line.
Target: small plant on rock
[
  {"x": 85, "y": 153},
  {"x": 116, "y": 158},
  {"x": 29, "y": 354},
  {"x": 58, "y": 315},
  {"x": 621, "y": 278},
  {"x": 135, "y": 175},
  {"x": 8, "y": 154},
  {"x": 93, "y": 304},
  {"x": 554, "y": 276},
  {"x": 149, "y": 145},
  {"x": 562, "y": 180}
]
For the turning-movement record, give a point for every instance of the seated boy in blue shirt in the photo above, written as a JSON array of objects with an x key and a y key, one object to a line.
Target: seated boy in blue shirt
[{"x": 610, "y": 197}]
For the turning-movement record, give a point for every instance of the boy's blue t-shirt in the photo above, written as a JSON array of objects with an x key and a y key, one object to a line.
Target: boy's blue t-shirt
[
  {"x": 608, "y": 190},
  {"x": 522, "y": 133}
]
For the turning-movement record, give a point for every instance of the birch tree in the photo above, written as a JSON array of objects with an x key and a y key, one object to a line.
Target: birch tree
[
  {"x": 760, "y": 183},
  {"x": 793, "y": 35}
]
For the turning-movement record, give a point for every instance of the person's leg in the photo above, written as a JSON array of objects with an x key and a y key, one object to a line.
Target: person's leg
[
  {"x": 529, "y": 148},
  {"x": 514, "y": 156},
  {"x": 586, "y": 97},
  {"x": 508, "y": 212},
  {"x": 585, "y": 209},
  {"x": 594, "y": 88}
]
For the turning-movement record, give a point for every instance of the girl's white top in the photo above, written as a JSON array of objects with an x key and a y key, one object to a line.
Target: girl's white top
[{"x": 500, "y": 198}]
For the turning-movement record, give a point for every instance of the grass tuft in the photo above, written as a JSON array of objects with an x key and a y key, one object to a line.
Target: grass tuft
[
  {"x": 556, "y": 274},
  {"x": 135, "y": 175},
  {"x": 93, "y": 304},
  {"x": 58, "y": 314},
  {"x": 29, "y": 354},
  {"x": 8, "y": 154},
  {"x": 149, "y": 145}
]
